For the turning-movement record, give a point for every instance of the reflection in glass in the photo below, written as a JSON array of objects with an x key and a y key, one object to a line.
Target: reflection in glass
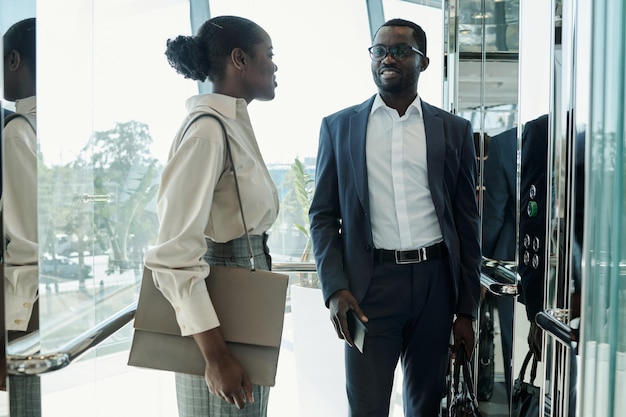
[
  {"x": 483, "y": 66},
  {"x": 490, "y": 23},
  {"x": 19, "y": 205},
  {"x": 499, "y": 227}
]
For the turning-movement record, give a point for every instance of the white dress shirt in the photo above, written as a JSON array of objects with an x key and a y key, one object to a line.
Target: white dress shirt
[
  {"x": 19, "y": 206},
  {"x": 195, "y": 201},
  {"x": 403, "y": 215}
]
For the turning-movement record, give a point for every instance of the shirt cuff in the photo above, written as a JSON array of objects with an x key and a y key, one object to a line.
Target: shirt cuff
[
  {"x": 18, "y": 311},
  {"x": 195, "y": 314}
]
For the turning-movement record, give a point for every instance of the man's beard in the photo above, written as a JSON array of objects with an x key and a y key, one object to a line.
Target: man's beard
[{"x": 406, "y": 82}]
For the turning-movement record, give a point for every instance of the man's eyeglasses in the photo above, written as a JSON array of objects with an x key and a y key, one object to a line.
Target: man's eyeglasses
[{"x": 397, "y": 52}]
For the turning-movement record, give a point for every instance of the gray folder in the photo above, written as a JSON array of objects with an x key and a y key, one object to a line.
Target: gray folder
[{"x": 250, "y": 306}]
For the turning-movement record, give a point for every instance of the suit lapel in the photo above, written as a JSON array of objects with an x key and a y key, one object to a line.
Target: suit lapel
[
  {"x": 358, "y": 128},
  {"x": 435, "y": 155}
]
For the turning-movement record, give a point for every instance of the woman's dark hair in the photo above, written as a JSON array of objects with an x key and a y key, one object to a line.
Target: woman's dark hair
[
  {"x": 21, "y": 37},
  {"x": 418, "y": 33},
  {"x": 204, "y": 55}
]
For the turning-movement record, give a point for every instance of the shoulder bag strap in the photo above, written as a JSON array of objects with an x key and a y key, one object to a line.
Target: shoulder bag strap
[
  {"x": 230, "y": 158},
  {"x": 12, "y": 116}
]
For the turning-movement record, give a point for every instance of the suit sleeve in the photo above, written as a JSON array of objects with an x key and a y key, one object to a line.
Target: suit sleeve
[
  {"x": 496, "y": 197},
  {"x": 466, "y": 218},
  {"x": 325, "y": 215}
]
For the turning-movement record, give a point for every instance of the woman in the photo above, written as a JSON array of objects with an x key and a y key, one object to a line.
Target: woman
[{"x": 199, "y": 214}]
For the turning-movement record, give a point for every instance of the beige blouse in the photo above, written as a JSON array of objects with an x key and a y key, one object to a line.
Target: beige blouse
[
  {"x": 195, "y": 201},
  {"x": 19, "y": 205}
]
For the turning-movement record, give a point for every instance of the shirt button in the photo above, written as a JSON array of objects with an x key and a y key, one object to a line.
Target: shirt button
[
  {"x": 183, "y": 327},
  {"x": 177, "y": 309},
  {"x": 26, "y": 305},
  {"x": 18, "y": 321}
]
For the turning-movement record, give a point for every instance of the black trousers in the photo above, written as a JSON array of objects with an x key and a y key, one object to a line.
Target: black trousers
[{"x": 410, "y": 319}]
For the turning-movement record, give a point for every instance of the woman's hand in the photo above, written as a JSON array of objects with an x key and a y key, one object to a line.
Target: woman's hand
[
  {"x": 227, "y": 379},
  {"x": 224, "y": 375}
]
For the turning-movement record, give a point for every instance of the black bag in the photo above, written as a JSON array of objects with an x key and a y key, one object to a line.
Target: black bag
[
  {"x": 461, "y": 400},
  {"x": 486, "y": 349},
  {"x": 526, "y": 396}
]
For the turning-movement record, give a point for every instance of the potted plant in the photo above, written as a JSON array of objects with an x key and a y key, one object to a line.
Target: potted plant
[
  {"x": 317, "y": 349},
  {"x": 303, "y": 186}
]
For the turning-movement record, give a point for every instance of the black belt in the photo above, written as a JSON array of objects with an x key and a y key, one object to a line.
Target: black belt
[{"x": 414, "y": 256}]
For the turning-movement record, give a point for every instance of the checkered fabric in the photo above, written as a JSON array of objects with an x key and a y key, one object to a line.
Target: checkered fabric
[{"x": 192, "y": 394}]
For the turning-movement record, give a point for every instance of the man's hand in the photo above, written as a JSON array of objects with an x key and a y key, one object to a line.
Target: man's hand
[
  {"x": 463, "y": 330},
  {"x": 339, "y": 304}
]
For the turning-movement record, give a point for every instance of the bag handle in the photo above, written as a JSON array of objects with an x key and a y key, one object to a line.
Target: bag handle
[
  {"x": 230, "y": 158},
  {"x": 533, "y": 369},
  {"x": 462, "y": 362}
]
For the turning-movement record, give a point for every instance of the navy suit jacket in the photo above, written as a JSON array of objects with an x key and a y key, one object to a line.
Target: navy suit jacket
[
  {"x": 533, "y": 176},
  {"x": 340, "y": 213},
  {"x": 500, "y": 199}
]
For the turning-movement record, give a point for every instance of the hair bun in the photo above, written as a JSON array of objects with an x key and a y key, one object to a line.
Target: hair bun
[{"x": 185, "y": 55}]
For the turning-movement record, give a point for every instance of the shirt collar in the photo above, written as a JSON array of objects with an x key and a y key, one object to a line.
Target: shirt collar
[
  {"x": 27, "y": 105},
  {"x": 379, "y": 103},
  {"x": 225, "y": 105}
]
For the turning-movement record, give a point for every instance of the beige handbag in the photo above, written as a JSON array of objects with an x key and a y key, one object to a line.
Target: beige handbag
[{"x": 249, "y": 303}]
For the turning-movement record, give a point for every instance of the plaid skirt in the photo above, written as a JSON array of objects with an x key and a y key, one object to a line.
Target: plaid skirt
[{"x": 192, "y": 395}]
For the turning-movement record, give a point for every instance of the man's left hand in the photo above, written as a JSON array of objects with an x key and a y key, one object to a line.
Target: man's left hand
[{"x": 463, "y": 330}]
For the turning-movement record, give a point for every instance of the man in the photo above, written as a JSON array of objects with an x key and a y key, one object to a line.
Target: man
[
  {"x": 394, "y": 224},
  {"x": 500, "y": 226}
]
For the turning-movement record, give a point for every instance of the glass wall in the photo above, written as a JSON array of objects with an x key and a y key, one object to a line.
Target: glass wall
[
  {"x": 604, "y": 304},
  {"x": 108, "y": 108}
]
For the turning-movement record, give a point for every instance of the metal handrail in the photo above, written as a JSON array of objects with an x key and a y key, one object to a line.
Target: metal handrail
[
  {"x": 549, "y": 320},
  {"x": 499, "y": 277},
  {"x": 299, "y": 267},
  {"x": 38, "y": 363}
]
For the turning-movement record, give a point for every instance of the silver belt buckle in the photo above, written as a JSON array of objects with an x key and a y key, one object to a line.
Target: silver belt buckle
[{"x": 421, "y": 256}]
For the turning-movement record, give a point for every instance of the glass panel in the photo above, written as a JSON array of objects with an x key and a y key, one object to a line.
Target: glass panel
[
  {"x": 604, "y": 286},
  {"x": 483, "y": 59},
  {"x": 564, "y": 250},
  {"x": 18, "y": 212},
  {"x": 98, "y": 181},
  {"x": 104, "y": 128},
  {"x": 536, "y": 28}
]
